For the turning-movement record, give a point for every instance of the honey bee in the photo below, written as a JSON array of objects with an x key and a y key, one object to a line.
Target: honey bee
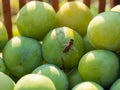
[{"x": 68, "y": 46}]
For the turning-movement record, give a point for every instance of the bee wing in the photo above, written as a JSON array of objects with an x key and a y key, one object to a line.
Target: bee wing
[{"x": 74, "y": 48}]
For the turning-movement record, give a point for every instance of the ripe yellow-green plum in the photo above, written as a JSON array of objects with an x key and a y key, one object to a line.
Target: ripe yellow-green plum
[
  {"x": 34, "y": 82},
  {"x": 75, "y": 15},
  {"x": 104, "y": 31},
  {"x": 88, "y": 85}
]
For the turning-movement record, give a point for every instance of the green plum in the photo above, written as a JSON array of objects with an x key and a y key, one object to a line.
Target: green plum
[
  {"x": 22, "y": 55},
  {"x": 74, "y": 78},
  {"x": 2, "y": 65},
  {"x": 101, "y": 66},
  {"x": 88, "y": 85},
  {"x": 87, "y": 44},
  {"x": 3, "y": 36},
  {"x": 58, "y": 77},
  {"x": 115, "y": 85},
  {"x": 34, "y": 82},
  {"x": 6, "y": 83},
  {"x": 63, "y": 47},
  {"x": 35, "y": 19}
]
